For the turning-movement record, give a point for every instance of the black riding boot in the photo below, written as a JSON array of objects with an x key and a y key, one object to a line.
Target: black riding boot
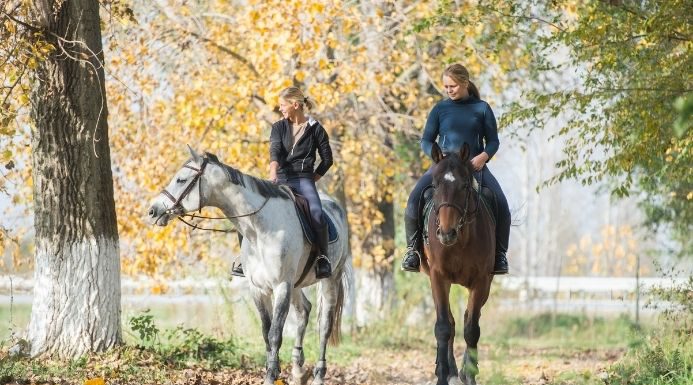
[
  {"x": 412, "y": 257},
  {"x": 237, "y": 268},
  {"x": 501, "y": 265},
  {"x": 323, "y": 269}
]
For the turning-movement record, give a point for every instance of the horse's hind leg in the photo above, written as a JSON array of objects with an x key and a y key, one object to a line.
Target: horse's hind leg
[
  {"x": 331, "y": 297},
  {"x": 472, "y": 332},
  {"x": 302, "y": 308}
]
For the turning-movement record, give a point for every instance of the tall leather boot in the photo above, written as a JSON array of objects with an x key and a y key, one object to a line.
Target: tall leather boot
[
  {"x": 500, "y": 266},
  {"x": 323, "y": 269},
  {"x": 412, "y": 257}
]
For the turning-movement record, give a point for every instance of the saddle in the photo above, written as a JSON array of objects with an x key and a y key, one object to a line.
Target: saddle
[
  {"x": 488, "y": 200},
  {"x": 309, "y": 228}
]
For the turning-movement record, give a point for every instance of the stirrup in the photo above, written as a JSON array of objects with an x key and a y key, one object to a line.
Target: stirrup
[
  {"x": 321, "y": 275},
  {"x": 407, "y": 255},
  {"x": 237, "y": 270}
]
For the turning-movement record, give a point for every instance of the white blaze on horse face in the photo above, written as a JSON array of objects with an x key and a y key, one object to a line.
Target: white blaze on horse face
[{"x": 449, "y": 177}]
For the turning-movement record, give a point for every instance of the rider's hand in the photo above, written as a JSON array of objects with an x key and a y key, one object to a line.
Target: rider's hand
[
  {"x": 273, "y": 176},
  {"x": 479, "y": 161},
  {"x": 316, "y": 177}
]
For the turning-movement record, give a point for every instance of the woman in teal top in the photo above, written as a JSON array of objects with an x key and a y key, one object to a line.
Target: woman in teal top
[{"x": 462, "y": 118}]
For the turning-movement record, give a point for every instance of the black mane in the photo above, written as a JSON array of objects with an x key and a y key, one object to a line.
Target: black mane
[{"x": 263, "y": 187}]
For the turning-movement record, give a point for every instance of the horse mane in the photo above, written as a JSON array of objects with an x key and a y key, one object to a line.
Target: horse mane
[{"x": 263, "y": 187}]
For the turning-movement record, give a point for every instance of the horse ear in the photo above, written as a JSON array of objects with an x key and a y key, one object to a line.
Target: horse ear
[
  {"x": 464, "y": 152},
  {"x": 436, "y": 153},
  {"x": 196, "y": 157}
]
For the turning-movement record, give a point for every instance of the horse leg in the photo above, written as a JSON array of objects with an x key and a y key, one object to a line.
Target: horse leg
[
  {"x": 263, "y": 303},
  {"x": 472, "y": 331},
  {"x": 453, "y": 374},
  {"x": 330, "y": 295},
  {"x": 441, "y": 297},
  {"x": 302, "y": 308},
  {"x": 282, "y": 299}
]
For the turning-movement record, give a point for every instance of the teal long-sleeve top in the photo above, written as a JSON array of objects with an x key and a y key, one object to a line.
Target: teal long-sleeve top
[{"x": 455, "y": 122}]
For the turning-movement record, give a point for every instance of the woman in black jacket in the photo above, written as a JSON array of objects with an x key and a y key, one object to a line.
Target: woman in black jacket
[{"x": 294, "y": 142}]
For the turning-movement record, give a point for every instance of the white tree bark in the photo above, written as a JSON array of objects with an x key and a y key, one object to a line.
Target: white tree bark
[{"x": 76, "y": 307}]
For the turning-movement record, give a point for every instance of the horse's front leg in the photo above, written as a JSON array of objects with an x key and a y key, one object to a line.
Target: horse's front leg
[
  {"x": 263, "y": 303},
  {"x": 443, "y": 330},
  {"x": 282, "y": 299},
  {"x": 453, "y": 378},
  {"x": 470, "y": 363},
  {"x": 302, "y": 308}
]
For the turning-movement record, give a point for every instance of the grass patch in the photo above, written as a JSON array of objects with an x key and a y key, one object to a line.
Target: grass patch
[{"x": 575, "y": 331}]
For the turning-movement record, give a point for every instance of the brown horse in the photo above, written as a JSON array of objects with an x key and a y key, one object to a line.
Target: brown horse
[{"x": 460, "y": 249}]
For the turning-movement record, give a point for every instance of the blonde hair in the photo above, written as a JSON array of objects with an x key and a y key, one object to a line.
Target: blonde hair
[
  {"x": 294, "y": 94},
  {"x": 459, "y": 74}
]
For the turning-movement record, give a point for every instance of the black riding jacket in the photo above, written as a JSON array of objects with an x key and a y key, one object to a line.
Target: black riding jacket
[{"x": 299, "y": 160}]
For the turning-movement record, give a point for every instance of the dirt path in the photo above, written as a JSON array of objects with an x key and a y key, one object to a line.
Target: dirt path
[{"x": 525, "y": 366}]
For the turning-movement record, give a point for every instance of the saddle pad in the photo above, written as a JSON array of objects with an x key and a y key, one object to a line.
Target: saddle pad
[{"x": 308, "y": 230}]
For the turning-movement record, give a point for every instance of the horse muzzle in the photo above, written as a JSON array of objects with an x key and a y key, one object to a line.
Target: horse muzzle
[
  {"x": 160, "y": 215},
  {"x": 447, "y": 238}
]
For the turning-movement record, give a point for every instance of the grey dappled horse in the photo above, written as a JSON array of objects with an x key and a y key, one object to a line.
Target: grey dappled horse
[{"x": 274, "y": 251}]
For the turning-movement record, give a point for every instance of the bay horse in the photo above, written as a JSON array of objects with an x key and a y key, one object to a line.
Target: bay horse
[
  {"x": 459, "y": 249},
  {"x": 274, "y": 252}
]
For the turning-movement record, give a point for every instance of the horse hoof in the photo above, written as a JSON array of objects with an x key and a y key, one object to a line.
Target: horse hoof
[
  {"x": 299, "y": 376},
  {"x": 319, "y": 373}
]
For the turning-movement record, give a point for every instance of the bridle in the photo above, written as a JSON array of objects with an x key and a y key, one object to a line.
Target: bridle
[
  {"x": 178, "y": 210},
  {"x": 464, "y": 212}
]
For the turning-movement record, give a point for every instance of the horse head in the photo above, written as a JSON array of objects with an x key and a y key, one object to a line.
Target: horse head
[
  {"x": 183, "y": 194},
  {"x": 453, "y": 186}
]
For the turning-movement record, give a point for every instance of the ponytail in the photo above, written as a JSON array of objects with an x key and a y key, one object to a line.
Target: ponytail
[
  {"x": 473, "y": 90},
  {"x": 309, "y": 103}
]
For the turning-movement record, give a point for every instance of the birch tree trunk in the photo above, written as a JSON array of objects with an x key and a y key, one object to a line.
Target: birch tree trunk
[{"x": 76, "y": 306}]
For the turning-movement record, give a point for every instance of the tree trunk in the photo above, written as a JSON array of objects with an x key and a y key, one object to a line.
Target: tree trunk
[
  {"x": 76, "y": 306},
  {"x": 376, "y": 284}
]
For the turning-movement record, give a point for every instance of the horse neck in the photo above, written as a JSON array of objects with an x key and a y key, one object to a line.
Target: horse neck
[{"x": 240, "y": 204}]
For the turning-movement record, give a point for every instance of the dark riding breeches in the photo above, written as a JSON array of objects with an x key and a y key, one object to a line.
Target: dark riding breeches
[
  {"x": 413, "y": 209},
  {"x": 306, "y": 187}
]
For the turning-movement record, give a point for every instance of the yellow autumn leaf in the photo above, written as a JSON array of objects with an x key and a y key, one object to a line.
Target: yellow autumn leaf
[{"x": 95, "y": 381}]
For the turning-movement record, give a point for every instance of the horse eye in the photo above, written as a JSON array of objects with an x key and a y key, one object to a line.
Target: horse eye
[{"x": 179, "y": 180}]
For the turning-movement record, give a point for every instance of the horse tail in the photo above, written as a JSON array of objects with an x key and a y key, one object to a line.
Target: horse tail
[
  {"x": 336, "y": 335},
  {"x": 344, "y": 287}
]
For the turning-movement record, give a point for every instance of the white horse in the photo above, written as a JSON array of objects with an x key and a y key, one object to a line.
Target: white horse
[{"x": 274, "y": 251}]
